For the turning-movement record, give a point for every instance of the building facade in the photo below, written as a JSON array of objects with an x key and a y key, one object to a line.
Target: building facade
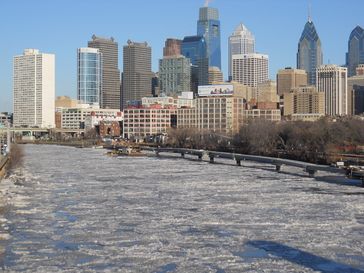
[
  {"x": 332, "y": 80},
  {"x": 137, "y": 72},
  {"x": 273, "y": 115},
  {"x": 74, "y": 118},
  {"x": 174, "y": 75},
  {"x": 194, "y": 48},
  {"x": 142, "y": 122},
  {"x": 304, "y": 100},
  {"x": 355, "y": 55},
  {"x": 355, "y": 89},
  {"x": 110, "y": 90},
  {"x": 242, "y": 41},
  {"x": 289, "y": 78},
  {"x": 250, "y": 69},
  {"x": 215, "y": 75},
  {"x": 172, "y": 47},
  {"x": 89, "y": 75},
  {"x": 34, "y": 89},
  {"x": 309, "y": 55},
  {"x": 208, "y": 26}
]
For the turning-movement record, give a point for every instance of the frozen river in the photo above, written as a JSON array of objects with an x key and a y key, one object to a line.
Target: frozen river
[{"x": 77, "y": 210}]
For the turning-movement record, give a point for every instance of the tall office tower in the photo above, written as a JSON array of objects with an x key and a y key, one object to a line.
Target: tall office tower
[
  {"x": 215, "y": 75},
  {"x": 309, "y": 55},
  {"x": 194, "y": 48},
  {"x": 89, "y": 75},
  {"x": 242, "y": 41},
  {"x": 355, "y": 91},
  {"x": 174, "y": 75},
  {"x": 172, "y": 47},
  {"x": 34, "y": 89},
  {"x": 355, "y": 55},
  {"x": 137, "y": 72},
  {"x": 208, "y": 26},
  {"x": 332, "y": 80},
  {"x": 290, "y": 78},
  {"x": 110, "y": 91},
  {"x": 250, "y": 69}
]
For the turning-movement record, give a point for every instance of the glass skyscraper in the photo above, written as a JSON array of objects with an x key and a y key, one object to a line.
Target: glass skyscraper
[
  {"x": 355, "y": 55},
  {"x": 208, "y": 26},
  {"x": 89, "y": 75},
  {"x": 195, "y": 48},
  {"x": 309, "y": 55}
]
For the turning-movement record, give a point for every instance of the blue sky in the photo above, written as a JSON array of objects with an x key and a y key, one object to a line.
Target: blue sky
[{"x": 61, "y": 26}]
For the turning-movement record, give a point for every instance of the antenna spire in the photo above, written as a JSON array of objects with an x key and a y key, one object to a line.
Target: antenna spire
[
  {"x": 309, "y": 12},
  {"x": 207, "y": 2}
]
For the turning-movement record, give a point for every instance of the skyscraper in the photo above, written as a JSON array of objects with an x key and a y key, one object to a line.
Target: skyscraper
[
  {"x": 309, "y": 55},
  {"x": 215, "y": 75},
  {"x": 242, "y": 41},
  {"x": 110, "y": 91},
  {"x": 332, "y": 80},
  {"x": 137, "y": 72},
  {"x": 89, "y": 75},
  {"x": 355, "y": 55},
  {"x": 172, "y": 47},
  {"x": 194, "y": 48},
  {"x": 174, "y": 75},
  {"x": 250, "y": 69},
  {"x": 208, "y": 26},
  {"x": 289, "y": 78},
  {"x": 34, "y": 89}
]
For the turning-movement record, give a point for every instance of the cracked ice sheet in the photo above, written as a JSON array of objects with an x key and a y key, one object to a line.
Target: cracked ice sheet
[{"x": 78, "y": 210}]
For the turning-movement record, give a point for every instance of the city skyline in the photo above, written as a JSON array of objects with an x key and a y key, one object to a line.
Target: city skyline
[{"x": 276, "y": 35}]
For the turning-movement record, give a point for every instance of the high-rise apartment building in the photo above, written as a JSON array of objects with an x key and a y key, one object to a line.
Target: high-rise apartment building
[
  {"x": 250, "y": 69},
  {"x": 172, "y": 47},
  {"x": 34, "y": 89},
  {"x": 289, "y": 78},
  {"x": 309, "y": 55},
  {"x": 242, "y": 41},
  {"x": 89, "y": 75},
  {"x": 174, "y": 75},
  {"x": 194, "y": 48},
  {"x": 137, "y": 72},
  {"x": 208, "y": 26},
  {"x": 304, "y": 100},
  {"x": 332, "y": 80},
  {"x": 355, "y": 55},
  {"x": 110, "y": 91}
]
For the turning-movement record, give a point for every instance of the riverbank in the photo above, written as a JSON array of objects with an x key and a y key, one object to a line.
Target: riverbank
[
  {"x": 4, "y": 163},
  {"x": 73, "y": 143}
]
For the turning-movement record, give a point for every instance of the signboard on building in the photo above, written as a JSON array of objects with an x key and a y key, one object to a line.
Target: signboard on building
[{"x": 215, "y": 90}]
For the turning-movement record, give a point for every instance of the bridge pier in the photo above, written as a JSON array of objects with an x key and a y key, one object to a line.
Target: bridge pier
[
  {"x": 311, "y": 172},
  {"x": 212, "y": 159}
]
